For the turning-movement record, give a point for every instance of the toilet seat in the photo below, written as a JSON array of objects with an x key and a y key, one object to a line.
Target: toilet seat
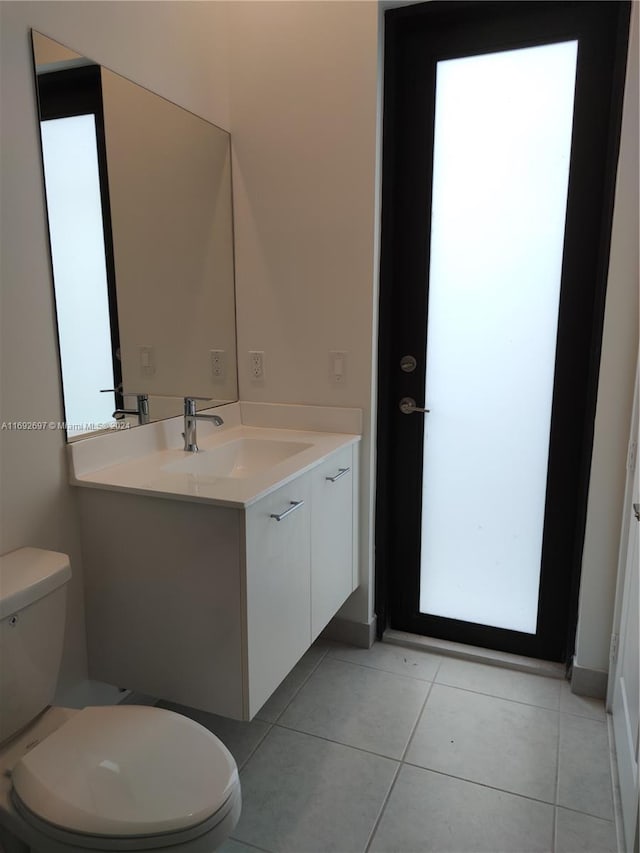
[
  {"x": 127, "y": 773},
  {"x": 203, "y": 838}
]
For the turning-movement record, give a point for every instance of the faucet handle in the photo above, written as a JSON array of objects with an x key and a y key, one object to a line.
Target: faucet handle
[
  {"x": 119, "y": 390},
  {"x": 190, "y": 404}
]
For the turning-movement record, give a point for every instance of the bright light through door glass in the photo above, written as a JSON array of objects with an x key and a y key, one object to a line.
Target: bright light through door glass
[
  {"x": 501, "y": 163},
  {"x": 79, "y": 269}
]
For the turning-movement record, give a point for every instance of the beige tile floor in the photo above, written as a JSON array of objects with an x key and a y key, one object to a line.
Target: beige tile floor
[{"x": 393, "y": 750}]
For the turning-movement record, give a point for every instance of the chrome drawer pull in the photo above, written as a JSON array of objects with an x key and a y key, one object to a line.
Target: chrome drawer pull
[
  {"x": 341, "y": 473},
  {"x": 294, "y": 505}
]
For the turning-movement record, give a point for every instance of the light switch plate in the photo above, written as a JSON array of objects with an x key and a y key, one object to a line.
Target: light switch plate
[
  {"x": 147, "y": 360},
  {"x": 337, "y": 367}
]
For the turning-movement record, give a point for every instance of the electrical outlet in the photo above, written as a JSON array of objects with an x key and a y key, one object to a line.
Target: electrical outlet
[
  {"x": 217, "y": 363},
  {"x": 256, "y": 364},
  {"x": 337, "y": 367}
]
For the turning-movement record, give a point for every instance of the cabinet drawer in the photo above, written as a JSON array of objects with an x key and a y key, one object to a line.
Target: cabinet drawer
[{"x": 331, "y": 537}]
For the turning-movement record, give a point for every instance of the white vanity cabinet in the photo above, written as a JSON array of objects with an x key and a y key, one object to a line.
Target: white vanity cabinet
[{"x": 211, "y": 606}]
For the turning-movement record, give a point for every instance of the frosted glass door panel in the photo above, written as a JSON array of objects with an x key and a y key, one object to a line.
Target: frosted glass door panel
[
  {"x": 501, "y": 161},
  {"x": 77, "y": 248}
]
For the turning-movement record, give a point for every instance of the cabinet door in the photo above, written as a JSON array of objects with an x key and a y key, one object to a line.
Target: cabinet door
[
  {"x": 332, "y": 537},
  {"x": 278, "y": 587}
]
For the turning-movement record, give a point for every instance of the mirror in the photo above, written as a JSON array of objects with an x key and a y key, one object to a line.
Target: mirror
[{"x": 139, "y": 207}]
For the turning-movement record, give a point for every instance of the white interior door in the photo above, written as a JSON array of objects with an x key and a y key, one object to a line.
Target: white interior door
[{"x": 626, "y": 680}]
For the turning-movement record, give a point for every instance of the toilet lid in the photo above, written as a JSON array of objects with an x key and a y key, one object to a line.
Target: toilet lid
[{"x": 126, "y": 770}]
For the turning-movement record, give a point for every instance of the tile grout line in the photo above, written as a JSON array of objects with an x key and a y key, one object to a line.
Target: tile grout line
[
  {"x": 383, "y": 806},
  {"x": 250, "y": 846},
  {"x": 295, "y": 693},
  {"x": 382, "y": 669},
  {"x": 503, "y": 698},
  {"x": 512, "y": 793},
  {"x": 584, "y": 717},
  {"x": 588, "y": 814},
  {"x": 253, "y": 751},
  {"x": 419, "y": 717},
  {"x": 485, "y": 785},
  {"x": 557, "y": 710},
  {"x": 387, "y": 671},
  {"x": 336, "y": 742},
  {"x": 401, "y": 763}
]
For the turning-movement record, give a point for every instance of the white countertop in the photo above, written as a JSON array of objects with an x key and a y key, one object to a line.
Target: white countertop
[{"x": 145, "y": 473}]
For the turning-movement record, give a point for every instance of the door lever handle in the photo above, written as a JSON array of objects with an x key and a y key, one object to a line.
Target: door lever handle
[{"x": 408, "y": 406}]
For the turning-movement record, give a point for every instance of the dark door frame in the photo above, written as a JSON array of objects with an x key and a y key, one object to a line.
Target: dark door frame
[{"x": 403, "y": 221}]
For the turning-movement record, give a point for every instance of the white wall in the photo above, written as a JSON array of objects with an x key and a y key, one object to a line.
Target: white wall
[
  {"x": 303, "y": 94},
  {"x": 615, "y": 394},
  {"x": 176, "y": 49}
]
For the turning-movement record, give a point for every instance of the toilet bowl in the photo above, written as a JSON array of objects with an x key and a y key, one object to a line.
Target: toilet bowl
[{"x": 120, "y": 778}]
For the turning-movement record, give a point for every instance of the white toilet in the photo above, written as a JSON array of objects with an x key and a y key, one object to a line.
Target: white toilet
[{"x": 119, "y": 778}]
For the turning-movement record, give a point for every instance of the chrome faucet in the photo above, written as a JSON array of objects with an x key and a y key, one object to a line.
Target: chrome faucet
[
  {"x": 142, "y": 405},
  {"x": 191, "y": 418}
]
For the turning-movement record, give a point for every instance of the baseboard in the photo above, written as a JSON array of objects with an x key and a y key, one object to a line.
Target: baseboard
[
  {"x": 358, "y": 634},
  {"x": 589, "y": 682}
]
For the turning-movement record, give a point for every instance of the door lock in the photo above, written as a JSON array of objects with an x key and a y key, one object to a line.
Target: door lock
[
  {"x": 408, "y": 406},
  {"x": 408, "y": 363}
]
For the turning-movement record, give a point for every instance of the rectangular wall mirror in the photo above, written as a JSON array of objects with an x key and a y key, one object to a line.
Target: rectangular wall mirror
[{"x": 140, "y": 216}]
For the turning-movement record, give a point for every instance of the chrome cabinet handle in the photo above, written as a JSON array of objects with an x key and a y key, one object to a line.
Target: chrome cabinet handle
[
  {"x": 341, "y": 473},
  {"x": 408, "y": 406},
  {"x": 636, "y": 510},
  {"x": 294, "y": 506}
]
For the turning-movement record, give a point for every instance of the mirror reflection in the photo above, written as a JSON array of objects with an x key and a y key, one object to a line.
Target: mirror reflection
[{"x": 139, "y": 207}]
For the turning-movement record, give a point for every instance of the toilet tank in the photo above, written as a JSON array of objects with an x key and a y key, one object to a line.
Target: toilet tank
[{"x": 32, "y": 618}]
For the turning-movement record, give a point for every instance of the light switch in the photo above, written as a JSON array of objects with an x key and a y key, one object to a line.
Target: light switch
[
  {"x": 147, "y": 361},
  {"x": 337, "y": 367}
]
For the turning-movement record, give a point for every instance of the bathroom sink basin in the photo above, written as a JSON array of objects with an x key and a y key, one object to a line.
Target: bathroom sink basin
[{"x": 241, "y": 458}]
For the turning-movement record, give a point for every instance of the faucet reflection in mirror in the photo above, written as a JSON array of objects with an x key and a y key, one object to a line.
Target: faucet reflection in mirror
[{"x": 139, "y": 205}]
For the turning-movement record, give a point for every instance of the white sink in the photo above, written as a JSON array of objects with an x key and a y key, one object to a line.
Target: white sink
[{"x": 241, "y": 458}]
